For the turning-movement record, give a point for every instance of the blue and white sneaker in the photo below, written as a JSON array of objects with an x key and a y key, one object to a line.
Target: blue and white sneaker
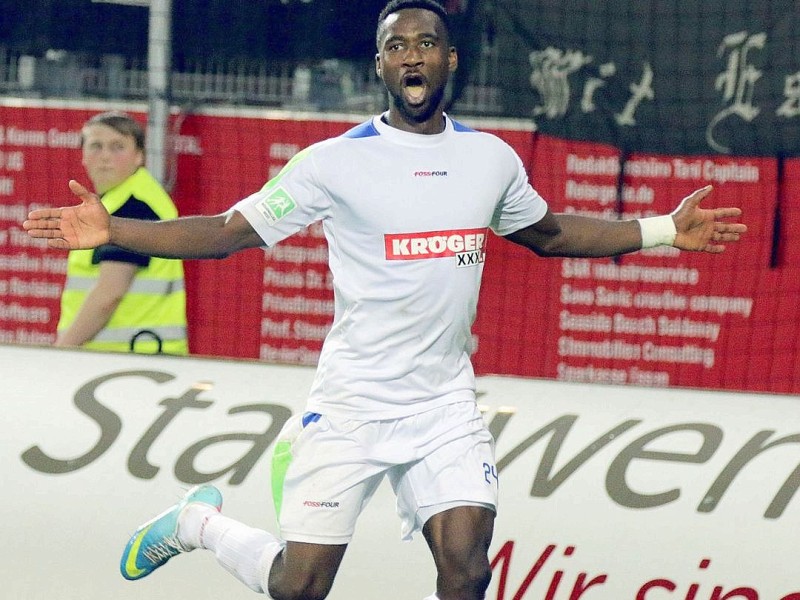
[{"x": 155, "y": 542}]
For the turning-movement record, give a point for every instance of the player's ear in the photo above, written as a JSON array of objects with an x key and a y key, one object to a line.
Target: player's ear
[
  {"x": 378, "y": 64},
  {"x": 452, "y": 59}
]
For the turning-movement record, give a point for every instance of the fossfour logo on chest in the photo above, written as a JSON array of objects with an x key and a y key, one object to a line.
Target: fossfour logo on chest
[
  {"x": 467, "y": 246},
  {"x": 427, "y": 173}
]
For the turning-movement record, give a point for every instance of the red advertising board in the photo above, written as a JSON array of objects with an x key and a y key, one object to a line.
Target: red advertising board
[{"x": 656, "y": 318}]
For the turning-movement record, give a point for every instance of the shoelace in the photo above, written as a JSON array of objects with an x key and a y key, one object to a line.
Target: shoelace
[{"x": 166, "y": 549}]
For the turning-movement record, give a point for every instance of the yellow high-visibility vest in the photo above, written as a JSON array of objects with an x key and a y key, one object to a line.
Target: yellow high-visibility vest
[{"x": 155, "y": 304}]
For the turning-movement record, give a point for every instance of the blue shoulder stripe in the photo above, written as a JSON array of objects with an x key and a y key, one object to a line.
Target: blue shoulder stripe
[
  {"x": 366, "y": 129},
  {"x": 461, "y": 127}
]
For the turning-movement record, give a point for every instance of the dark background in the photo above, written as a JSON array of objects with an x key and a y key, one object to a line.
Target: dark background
[
  {"x": 202, "y": 29},
  {"x": 680, "y": 40}
]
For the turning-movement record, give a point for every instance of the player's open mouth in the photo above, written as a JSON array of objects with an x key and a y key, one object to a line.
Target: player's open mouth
[{"x": 415, "y": 88}]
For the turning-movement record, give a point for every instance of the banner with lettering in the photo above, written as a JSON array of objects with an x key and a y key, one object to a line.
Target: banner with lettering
[
  {"x": 657, "y": 317},
  {"x": 606, "y": 493},
  {"x": 654, "y": 318},
  {"x": 680, "y": 78}
]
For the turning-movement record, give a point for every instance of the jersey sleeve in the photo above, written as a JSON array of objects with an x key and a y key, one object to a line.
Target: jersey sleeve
[
  {"x": 132, "y": 209},
  {"x": 521, "y": 205},
  {"x": 289, "y": 202}
]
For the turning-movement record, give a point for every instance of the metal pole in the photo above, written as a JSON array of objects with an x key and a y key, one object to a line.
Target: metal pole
[{"x": 159, "y": 61}]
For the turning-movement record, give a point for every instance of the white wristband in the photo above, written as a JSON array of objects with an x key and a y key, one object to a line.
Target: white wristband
[{"x": 658, "y": 231}]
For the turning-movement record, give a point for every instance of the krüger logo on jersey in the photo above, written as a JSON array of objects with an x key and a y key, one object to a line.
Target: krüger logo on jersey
[{"x": 467, "y": 246}]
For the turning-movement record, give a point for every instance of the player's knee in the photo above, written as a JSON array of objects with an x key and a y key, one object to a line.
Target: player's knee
[
  {"x": 483, "y": 579},
  {"x": 469, "y": 579},
  {"x": 299, "y": 588},
  {"x": 478, "y": 580}
]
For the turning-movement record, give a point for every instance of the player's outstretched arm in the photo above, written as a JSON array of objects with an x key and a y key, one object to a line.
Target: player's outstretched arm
[
  {"x": 73, "y": 227},
  {"x": 88, "y": 225},
  {"x": 690, "y": 228}
]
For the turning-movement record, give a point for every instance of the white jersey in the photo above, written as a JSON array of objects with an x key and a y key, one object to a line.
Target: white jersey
[{"x": 406, "y": 218}]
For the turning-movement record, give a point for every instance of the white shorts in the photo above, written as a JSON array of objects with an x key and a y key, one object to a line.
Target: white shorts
[{"x": 325, "y": 470}]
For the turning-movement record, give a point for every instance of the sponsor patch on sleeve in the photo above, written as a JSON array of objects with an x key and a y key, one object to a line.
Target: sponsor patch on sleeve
[{"x": 276, "y": 205}]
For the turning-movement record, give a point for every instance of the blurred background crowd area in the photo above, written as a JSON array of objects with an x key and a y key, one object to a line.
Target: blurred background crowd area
[
  {"x": 672, "y": 76},
  {"x": 297, "y": 54}
]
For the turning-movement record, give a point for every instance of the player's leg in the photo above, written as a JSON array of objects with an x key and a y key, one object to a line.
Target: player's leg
[
  {"x": 319, "y": 528},
  {"x": 305, "y": 571},
  {"x": 257, "y": 558},
  {"x": 322, "y": 477},
  {"x": 450, "y": 494},
  {"x": 281, "y": 570},
  {"x": 459, "y": 540}
]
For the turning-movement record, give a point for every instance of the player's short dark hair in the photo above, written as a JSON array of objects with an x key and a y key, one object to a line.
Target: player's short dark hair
[
  {"x": 120, "y": 122},
  {"x": 397, "y": 5}
]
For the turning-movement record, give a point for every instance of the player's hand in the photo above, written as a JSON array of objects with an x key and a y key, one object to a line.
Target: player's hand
[
  {"x": 74, "y": 227},
  {"x": 702, "y": 229}
]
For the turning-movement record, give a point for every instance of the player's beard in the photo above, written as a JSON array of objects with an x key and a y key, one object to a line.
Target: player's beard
[{"x": 421, "y": 112}]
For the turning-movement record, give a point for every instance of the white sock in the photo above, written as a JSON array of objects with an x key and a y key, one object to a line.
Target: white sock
[
  {"x": 191, "y": 522},
  {"x": 434, "y": 597},
  {"x": 245, "y": 552}
]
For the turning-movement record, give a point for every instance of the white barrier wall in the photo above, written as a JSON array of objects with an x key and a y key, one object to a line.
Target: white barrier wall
[{"x": 607, "y": 493}]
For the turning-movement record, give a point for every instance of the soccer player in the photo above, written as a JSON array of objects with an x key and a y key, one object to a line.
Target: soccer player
[{"x": 394, "y": 393}]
